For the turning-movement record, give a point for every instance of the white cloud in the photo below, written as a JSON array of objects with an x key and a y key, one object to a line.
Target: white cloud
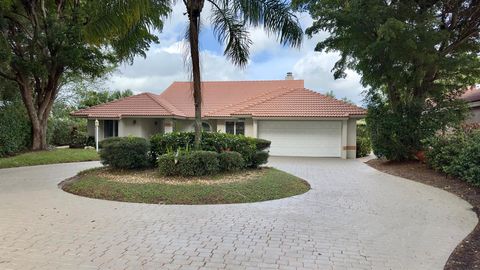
[{"x": 165, "y": 62}]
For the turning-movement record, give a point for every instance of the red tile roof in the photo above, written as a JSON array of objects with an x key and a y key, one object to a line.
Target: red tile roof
[
  {"x": 145, "y": 104},
  {"x": 285, "y": 98},
  {"x": 472, "y": 94}
]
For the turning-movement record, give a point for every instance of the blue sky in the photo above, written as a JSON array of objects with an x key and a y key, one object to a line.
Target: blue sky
[{"x": 165, "y": 62}]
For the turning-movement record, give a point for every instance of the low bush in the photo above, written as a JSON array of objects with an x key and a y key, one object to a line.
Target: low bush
[
  {"x": 166, "y": 165},
  {"x": 125, "y": 152},
  {"x": 230, "y": 161},
  {"x": 456, "y": 154},
  {"x": 262, "y": 144},
  {"x": 260, "y": 158},
  {"x": 218, "y": 142},
  {"x": 192, "y": 163}
]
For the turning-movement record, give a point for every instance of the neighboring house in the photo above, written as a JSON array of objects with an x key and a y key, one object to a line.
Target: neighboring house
[
  {"x": 298, "y": 121},
  {"x": 472, "y": 96}
]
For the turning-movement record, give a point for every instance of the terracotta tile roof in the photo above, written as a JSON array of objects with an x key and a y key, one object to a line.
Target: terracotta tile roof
[
  {"x": 218, "y": 94},
  {"x": 145, "y": 104},
  {"x": 285, "y": 98},
  {"x": 472, "y": 94},
  {"x": 301, "y": 102}
]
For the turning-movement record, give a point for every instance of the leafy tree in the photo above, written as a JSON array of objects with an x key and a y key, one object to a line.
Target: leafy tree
[
  {"x": 43, "y": 43},
  {"x": 231, "y": 20},
  {"x": 415, "y": 55},
  {"x": 91, "y": 98}
]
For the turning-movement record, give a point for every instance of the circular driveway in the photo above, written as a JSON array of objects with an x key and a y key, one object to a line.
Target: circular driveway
[{"x": 353, "y": 218}]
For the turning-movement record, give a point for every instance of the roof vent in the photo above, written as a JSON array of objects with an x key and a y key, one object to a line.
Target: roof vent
[{"x": 289, "y": 76}]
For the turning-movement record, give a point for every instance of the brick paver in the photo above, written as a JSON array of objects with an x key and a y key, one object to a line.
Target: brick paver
[{"x": 353, "y": 218}]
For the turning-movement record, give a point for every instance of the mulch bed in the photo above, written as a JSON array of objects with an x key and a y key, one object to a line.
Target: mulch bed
[{"x": 467, "y": 254}]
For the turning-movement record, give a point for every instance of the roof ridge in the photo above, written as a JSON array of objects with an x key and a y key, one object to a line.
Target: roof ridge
[
  {"x": 248, "y": 81},
  {"x": 102, "y": 104},
  {"x": 283, "y": 92},
  {"x": 243, "y": 101},
  {"x": 167, "y": 105}
]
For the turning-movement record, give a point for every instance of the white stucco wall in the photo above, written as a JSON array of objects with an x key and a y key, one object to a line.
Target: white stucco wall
[
  {"x": 139, "y": 127},
  {"x": 187, "y": 125},
  {"x": 91, "y": 129}
]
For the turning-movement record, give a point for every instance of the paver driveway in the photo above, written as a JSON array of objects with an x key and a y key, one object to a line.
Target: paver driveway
[{"x": 353, "y": 218}]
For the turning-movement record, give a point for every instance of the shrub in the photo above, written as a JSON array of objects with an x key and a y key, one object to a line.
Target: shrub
[
  {"x": 125, "y": 152},
  {"x": 397, "y": 131},
  {"x": 260, "y": 158},
  {"x": 61, "y": 130},
  {"x": 166, "y": 165},
  {"x": 15, "y": 128},
  {"x": 78, "y": 139},
  {"x": 218, "y": 142},
  {"x": 230, "y": 161},
  {"x": 192, "y": 163},
  {"x": 456, "y": 154},
  {"x": 262, "y": 144},
  {"x": 364, "y": 144}
]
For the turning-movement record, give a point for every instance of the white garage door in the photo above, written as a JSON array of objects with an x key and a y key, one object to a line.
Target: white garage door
[{"x": 302, "y": 138}]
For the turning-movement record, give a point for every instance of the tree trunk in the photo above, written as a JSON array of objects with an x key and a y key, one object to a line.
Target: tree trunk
[
  {"x": 38, "y": 114},
  {"x": 194, "y": 8}
]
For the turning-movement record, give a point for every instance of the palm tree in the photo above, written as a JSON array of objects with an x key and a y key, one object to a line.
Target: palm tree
[{"x": 231, "y": 20}]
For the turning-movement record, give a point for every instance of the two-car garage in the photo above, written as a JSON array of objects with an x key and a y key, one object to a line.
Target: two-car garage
[{"x": 302, "y": 138}]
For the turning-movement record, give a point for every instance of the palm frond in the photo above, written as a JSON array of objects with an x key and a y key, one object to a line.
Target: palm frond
[
  {"x": 230, "y": 31},
  {"x": 276, "y": 16},
  {"x": 129, "y": 23}
]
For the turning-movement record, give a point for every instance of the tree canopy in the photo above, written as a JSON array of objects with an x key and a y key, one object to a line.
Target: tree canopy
[
  {"x": 416, "y": 57},
  {"x": 42, "y": 43}
]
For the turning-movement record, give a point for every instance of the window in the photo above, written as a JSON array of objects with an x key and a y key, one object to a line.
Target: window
[
  {"x": 237, "y": 127},
  {"x": 110, "y": 128},
  {"x": 206, "y": 127}
]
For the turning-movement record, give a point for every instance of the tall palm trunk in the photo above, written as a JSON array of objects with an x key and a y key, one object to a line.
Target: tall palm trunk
[{"x": 194, "y": 8}]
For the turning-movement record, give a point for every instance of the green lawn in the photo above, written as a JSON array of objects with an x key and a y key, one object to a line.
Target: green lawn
[
  {"x": 49, "y": 157},
  {"x": 271, "y": 185}
]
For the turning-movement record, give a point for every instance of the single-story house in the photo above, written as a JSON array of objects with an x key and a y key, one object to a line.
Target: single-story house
[
  {"x": 472, "y": 97},
  {"x": 298, "y": 121}
]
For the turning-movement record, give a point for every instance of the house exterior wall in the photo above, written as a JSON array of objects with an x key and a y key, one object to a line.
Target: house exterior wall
[
  {"x": 143, "y": 127},
  {"x": 250, "y": 131},
  {"x": 91, "y": 129},
  {"x": 139, "y": 127},
  {"x": 188, "y": 125},
  {"x": 352, "y": 139}
]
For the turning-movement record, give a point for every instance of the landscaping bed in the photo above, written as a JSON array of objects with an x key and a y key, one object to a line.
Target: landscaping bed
[
  {"x": 467, "y": 254},
  {"x": 148, "y": 186},
  {"x": 49, "y": 157}
]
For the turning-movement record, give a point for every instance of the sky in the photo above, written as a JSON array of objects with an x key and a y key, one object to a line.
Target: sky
[{"x": 165, "y": 62}]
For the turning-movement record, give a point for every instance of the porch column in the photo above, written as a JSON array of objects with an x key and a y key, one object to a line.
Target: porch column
[
  {"x": 255, "y": 128},
  {"x": 168, "y": 126}
]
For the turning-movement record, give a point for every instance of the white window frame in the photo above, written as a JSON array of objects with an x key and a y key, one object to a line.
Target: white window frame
[{"x": 235, "y": 126}]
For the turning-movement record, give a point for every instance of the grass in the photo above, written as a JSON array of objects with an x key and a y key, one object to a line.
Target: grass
[
  {"x": 49, "y": 157},
  {"x": 270, "y": 185}
]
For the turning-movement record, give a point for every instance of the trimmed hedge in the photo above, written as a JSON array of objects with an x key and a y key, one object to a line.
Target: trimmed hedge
[
  {"x": 230, "y": 161},
  {"x": 125, "y": 152},
  {"x": 195, "y": 163},
  {"x": 457, "y": 154},
  {"x": 218, "y": 142}
]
